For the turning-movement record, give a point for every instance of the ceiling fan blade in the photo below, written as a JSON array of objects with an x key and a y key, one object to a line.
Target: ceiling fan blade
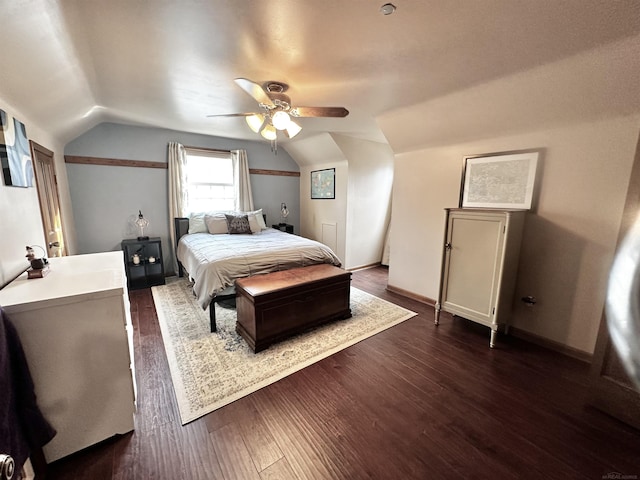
[
  {"x": 256, "y": 91},
  {"x": 234, "y": 114},
  {"x": 319, "y": 112}
]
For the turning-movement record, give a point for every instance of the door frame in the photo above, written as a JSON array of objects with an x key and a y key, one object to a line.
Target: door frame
[{"x": 48, "y": 198}]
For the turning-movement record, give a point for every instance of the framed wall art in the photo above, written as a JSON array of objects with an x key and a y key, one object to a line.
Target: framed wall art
[
  {"x": 323, "y": 184},
  {"x": 499, "y": 180},
  {"x": 15, "y": 154}
]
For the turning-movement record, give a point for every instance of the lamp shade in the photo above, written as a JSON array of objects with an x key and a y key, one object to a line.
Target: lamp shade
[
  {"x": 255, "y": 121},
  {"x": 280, "y": 120},
  {"x": 293, "y": 129},
  {"x": 269, "y": 132}
]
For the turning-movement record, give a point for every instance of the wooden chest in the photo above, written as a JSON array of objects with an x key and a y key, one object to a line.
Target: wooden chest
[{"x": 276, "y": 305}]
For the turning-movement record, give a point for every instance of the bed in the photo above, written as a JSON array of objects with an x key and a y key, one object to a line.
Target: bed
[{"x": 214, "y": 261}]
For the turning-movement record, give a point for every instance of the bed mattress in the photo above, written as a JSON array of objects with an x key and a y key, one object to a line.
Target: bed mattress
[{"x": 214, "y": 262}]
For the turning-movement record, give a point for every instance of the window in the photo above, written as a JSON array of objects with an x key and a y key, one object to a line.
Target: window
[{"x": 211, "y": 181}]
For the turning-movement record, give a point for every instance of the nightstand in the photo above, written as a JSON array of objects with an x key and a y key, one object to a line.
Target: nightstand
[
  {"x": 285, "y": 227},
  {"x": 143, "y": 262}
]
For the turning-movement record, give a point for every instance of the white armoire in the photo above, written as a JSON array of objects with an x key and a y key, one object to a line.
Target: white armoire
[{"x": 479, "y": 265}]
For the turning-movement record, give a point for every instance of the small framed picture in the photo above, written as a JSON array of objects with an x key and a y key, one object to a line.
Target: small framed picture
[
  {"x": 323, "y": 184},
  {"x": 499, "y": 180}
]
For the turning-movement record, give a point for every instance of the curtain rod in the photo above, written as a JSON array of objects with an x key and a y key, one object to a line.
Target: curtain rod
[{"x": 207, "y": 149}]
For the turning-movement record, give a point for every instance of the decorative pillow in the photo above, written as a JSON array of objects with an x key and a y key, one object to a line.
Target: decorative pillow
[
  {"x": 238, "y": 224},
  {"x": 196, "y": 223},
  {"x": 216, "y": 223}
]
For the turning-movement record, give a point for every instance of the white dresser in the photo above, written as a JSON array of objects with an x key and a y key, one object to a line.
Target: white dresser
[
  {"x": 75, "y": 327},
  {"x": 479, "y": 265}
]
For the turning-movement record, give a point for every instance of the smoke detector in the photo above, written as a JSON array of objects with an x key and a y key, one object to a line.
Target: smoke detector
[{"x": 387, "y": 8}]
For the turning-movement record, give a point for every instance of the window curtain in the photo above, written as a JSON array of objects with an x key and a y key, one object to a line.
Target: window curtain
[
  {"x": 244, "y": 198},
  {"x": 178, "y": 195}
]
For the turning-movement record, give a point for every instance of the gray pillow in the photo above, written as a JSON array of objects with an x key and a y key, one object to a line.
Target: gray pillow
[
  {"x": 216, "y": 223},
  {"x": 238, "y": 224}
]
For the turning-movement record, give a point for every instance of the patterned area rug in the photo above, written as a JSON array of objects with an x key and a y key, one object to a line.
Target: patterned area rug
[{"x": 211, "y": 370}]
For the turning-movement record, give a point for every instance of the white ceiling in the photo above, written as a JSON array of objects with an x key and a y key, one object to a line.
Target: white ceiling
[{"x": 71, "y": 64}]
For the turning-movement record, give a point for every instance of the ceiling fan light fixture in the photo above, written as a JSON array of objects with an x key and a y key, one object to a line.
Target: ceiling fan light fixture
[
  {"x": 281, "y": 120},
  {"x": 293, "y": 129},
  {"x": 269, "y": 132},
  {"x": 276, "y": 107},
  {"x": 255, "y": 121}
]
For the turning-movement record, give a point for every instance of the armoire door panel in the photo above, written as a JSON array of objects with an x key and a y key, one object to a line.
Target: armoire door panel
[{"x": 472, "y": 273}]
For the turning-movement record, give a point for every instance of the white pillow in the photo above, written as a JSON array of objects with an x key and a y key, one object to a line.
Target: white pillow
[
  {"x": 216, "y": 223},
  {"x": 196, "y": 222},
  {"x": 260, "y": 218},
  {"x": 257, "y": 219},
  {"x": 253, "y": 223}
]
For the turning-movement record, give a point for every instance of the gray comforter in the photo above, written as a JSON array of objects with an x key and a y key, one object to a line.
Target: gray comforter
[{"x": 215, "y": 261}]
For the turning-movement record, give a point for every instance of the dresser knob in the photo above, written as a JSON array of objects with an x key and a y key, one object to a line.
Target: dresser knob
[{"x": 7, "y": 467}]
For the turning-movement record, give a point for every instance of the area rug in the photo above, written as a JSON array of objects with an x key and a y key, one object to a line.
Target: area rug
[{"x": 210, "y": 370}]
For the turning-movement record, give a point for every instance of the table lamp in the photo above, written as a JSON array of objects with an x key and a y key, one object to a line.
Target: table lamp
[
  {"x": 142, "y": 223},
  {"x": 284, "y": 213}
]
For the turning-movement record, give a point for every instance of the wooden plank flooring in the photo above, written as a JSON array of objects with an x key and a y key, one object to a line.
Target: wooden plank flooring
[{"x": 413, "y": 402}]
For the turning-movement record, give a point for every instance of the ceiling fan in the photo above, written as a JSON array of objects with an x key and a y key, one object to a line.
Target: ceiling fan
[{"x": 276, "y": 110}]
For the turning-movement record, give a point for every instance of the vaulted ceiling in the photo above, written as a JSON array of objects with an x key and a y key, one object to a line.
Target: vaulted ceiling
[{"x": 71, "y": 64}]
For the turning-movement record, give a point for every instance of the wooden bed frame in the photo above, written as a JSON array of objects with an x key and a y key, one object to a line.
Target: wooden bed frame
[{"x": 181, "y": 227}]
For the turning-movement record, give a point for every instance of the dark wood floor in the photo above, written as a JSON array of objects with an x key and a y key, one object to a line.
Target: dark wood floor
[{"x": 413, "y": 402}]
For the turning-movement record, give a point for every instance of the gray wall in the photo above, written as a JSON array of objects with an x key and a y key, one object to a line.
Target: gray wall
[{"x": 106, "y": 198}]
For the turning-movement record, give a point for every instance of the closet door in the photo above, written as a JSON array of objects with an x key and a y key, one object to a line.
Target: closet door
[{"x": 611, "y": 389}]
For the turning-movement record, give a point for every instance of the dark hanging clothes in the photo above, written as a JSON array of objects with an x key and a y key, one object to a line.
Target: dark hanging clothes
[{"x": 23, "y": 428}]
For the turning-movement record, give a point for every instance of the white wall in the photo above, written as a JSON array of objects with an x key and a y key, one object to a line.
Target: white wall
[
  {"x": 584, "y": 113},
  {"x": 315, "y": 213},
  {"x": 361, "y": 209},
  {"x": 318, "y": 153},
  {"x": 20, "y": 219},
  {"x": 369, "y": 199},
  {"x": 569, "y": 239}
]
